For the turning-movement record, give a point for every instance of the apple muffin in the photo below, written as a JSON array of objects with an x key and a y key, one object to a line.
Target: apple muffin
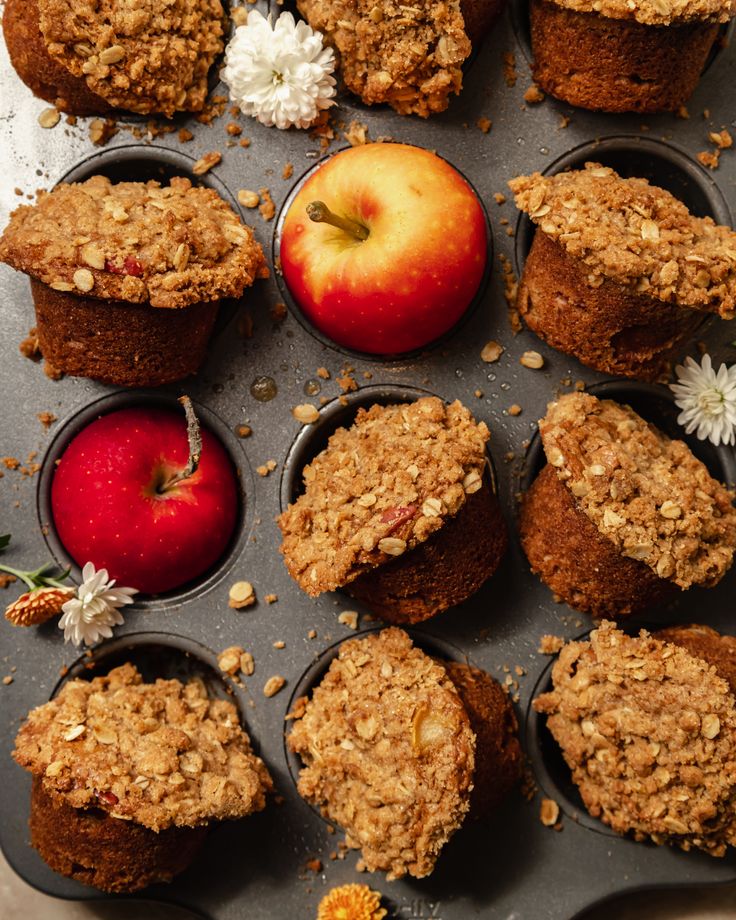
[
  {"x": 706, "y": 643},
  {"x": 622, "y": 518},
  {"x": 390, "y": 754},
  {"x": 95, "y": 56},
  {"x": 624, "y": 55},
  {"x": 128, "y": 776},
  {"x": 410, "y": 56},
  {"x": 127, "y": 278},
  {"x": 399, "y": 511},
  {"x": 620, "y": 274},
  {"x": 648, "y": 731}
]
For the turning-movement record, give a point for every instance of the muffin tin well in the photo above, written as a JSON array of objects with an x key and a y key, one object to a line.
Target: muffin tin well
[
  {"x": 479, "y": 298},
  {"x": 511, "y": 865},
  {"x": 70, "y": 428}
]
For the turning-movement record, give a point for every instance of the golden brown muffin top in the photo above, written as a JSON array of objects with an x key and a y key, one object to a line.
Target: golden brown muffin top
[
  {"x": 655, "y": 12},
  {"x": 649, "y": 733},
  {"x": 636, "y": 234},
  {"x": 409, "y": 55},
  {"x": 706, "y": 643},
  {"x": 648, "y": 494},
  {"x": 139, "y": 242},
  {"x": 379, "y": 488},
  {"x": 389, "y": 753},
  {"x": 159, "y": 754},
  {"x": 145, "y": 56}
]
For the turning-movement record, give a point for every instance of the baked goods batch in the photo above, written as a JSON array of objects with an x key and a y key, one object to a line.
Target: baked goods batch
[{"x": 394, "y": 736}]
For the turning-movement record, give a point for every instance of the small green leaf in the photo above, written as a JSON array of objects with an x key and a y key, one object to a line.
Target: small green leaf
[{"x": 4, "y": 540}]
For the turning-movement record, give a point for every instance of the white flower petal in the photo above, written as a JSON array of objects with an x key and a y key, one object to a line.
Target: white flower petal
[{"x": 707, "y": 398}]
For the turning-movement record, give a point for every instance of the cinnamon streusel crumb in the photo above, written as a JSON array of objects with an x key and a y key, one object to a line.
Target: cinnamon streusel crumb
[
  {"x": 648, "y": 494},
  {"x": 159, "y": 754},
  {"x": 171, "y": 246},
  {"x": 636, "y": 234},
  {"x": 655, "y": 12},
  {"x": 649, "y": 733},
  {"x": 389, "y": 753},
  {"x": 380, "y": 488}
]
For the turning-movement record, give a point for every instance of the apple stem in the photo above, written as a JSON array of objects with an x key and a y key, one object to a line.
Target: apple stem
[
  {"x": 194, "y": 437},
  {"x": 321, "y": 214}
]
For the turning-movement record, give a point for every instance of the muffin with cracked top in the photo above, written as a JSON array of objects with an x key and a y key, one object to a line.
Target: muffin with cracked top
[
  {"x": 399, "y": 511},
  {"x": 91, "y": 57},
  {"x": 622, "y": 518},
  {"x": 127, "y": 278},
  {"x": 620, "y": 274},
  {"x": 128, "y": 776}
]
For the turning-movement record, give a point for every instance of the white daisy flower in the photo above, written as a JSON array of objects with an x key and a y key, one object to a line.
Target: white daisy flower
[
  {"x": 90, "y": 615},
  {"x": 707, "y": 399},
  {"x": 281, "y": 74}
]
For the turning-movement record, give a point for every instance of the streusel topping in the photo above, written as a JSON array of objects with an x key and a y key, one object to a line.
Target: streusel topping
[
  {"x": 656, "y": 12},
  {"x": 389, "y": 753},
  {"x": 409, "y": 55},
  {"x": 380, "y": 488},
  {"x": 649, "y": 733},
  {"x": 171, "y": 245},
  {"x": 148, "y": 56},
  {"x": 158, "y": 754},
  {"x": 648, "y": 494},
  {"x": 634, "y": 233}
]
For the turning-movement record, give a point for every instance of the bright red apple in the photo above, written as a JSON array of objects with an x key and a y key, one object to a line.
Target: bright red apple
[
  {"x": 420, "y": 261},
  {"x": 112, "y": 506}
]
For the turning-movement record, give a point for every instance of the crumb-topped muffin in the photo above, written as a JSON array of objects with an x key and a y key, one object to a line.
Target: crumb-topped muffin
[
  {"x": 620, "y": 273},
  {"x": 706, "y": 643},
  {"x": 649, "y": 733},
  {"x": 377, "y": 500},
  {"x": 91, "y": 57},
  {"x": 127, "y": 277},
  {"x": 407, "y": 55},
  {"x": 624, "y": 55},
  {"x": 114, "y": 753},
  {"x": 622, "y": 515},
  {"x": 389, "y": 753}
]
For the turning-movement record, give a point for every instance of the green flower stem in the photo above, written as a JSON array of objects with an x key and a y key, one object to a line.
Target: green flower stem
[{"x": 38, "y": 578}]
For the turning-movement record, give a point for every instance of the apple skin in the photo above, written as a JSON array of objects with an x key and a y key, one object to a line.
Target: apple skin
[
  {"x": 419, "y": 269},
  {"x": 106, "y": 509}
]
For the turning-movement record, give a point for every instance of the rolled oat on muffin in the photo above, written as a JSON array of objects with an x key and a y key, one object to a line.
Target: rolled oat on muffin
[
  {"x": 128, "y": 776},
  {"x": 624, "y": 55},
  {"x": 620, "y": 273},
  {"x": 407, "y": 55},
  {"x": 399, "y": 511},
  {"x": 127, "y": 277},
  {"x": 622, "y": 516},
  {"x": 649, "y": 733},
  {"x": 706, "y": 643},
  {"x": 390, "y": 754},
  {"x": 90, "y": 57}
]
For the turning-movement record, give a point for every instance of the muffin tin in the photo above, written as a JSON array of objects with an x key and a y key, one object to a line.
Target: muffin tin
[{"x": 512, "y": 866}]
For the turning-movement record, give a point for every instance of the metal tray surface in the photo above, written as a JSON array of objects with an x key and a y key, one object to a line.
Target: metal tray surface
[{"x": 512, "y": 868}]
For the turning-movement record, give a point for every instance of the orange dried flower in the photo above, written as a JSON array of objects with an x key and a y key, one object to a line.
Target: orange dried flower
[
  {"x": 351, "y": 902},
  {"x": 37, "y": 606}
]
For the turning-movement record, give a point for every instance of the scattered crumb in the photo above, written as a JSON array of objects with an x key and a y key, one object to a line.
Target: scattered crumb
[
  {"x": 532, "y": 359},
  {"x": 312, "y": 634},
  {"x": 101, "y": 130},
  {"x": 243, "y": 431},
  {"x": 267, "y": 209},
  {"x": 8, "y": 679},
  {"x": 184, "y": 135},
  {"x": 241, "y": 595},
  {"x": 313, "y": 865},
  {"x": 30, "y": 346},
  {"x": 233, "y": 129},
  {"x": 347, "y": 383},
  {"x": 533, "y": 95},
  {"x": 6, "y": 579},
  {"x": 273, "y": 685},
  {"x": 682, "y": 112},
  {"x": 10, "y": 463},
  {"x": 279, "y": 644},
  {"x": 491, "y": 352},
  {"x": 510, "y": 288},
  {"x": 306, "y": 413},
  {"x": 709, "y": 158},
  {"x": 499, "y": 198},
  {"x": 47, "y": 419},
  {"x": 323, "y": 373},
  {"x": 515, "y": 409},
  {"x": 229, "y": 660},
  {"x": 268, "y": 467},
  {"x": 564, "y": 121},
  {"x": 300, "y": 707},
  {"x": 288, "y": 171},
  {"x": 207, "y": 162},
  {"x": 247, "y": 664},
  {"x": 348, "y": 618},
  {"x": 722, "y": 139},
  {"x": 550, "y": 645},
  {"x": 549, "y": 812},
  {"x": 478, "y": 394},
  {"x": 484, "y": 124},
  {"x": 248, "y": 198},
  {"x": 279, "y": 312},
  {"x": 356, "y": 134},
  {"x": 271, "y": 598},
  {"x": 49, "y": 118}
]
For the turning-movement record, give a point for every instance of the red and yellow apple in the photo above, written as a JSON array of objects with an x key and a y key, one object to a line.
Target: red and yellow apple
[
  {"x": 419, "y": 265},
  {"x": 116, "y": 500}
]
